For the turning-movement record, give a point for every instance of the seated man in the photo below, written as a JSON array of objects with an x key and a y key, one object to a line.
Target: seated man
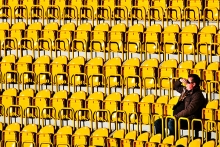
[{"x": 190, "y": 103}]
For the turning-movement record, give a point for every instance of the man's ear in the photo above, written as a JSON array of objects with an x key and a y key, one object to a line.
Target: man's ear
[{"x": 194, "y": 84}]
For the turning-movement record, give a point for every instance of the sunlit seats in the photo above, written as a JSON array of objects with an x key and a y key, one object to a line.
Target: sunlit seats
[
  {"x": 81, "y": 136},
  {"x": 10, "y": 136},
  {"x": 45, "y": 135},
  {"x": 182, "y": 141},
  {"x": 187, "y": 40},
  {"x": 211, "y": 9},
  {"x": 154, "y": 140},
  {"x": 115, "y": 138},
  {"x": 195, "y": 143},
  {"x": 151, "y": 40},
  {"x": 168, "y": 108},
  {"x": 183, "y": 69},
  {"x": 141, "y": 139},
  {"x": 158, "y": 106},
  {"x": 3, "y": 31},
  {"x": 127, "y": 141},
  {"x": 210, "y": 143},
  {"x": 63, "y": 136},
  {"x": 169, "y": 140},
  {"x": 198, "y": 68},
  {"x": 28, "y": 134},
  {"x": 98, "y": 137},
  {"x": 208, "y": 112}
]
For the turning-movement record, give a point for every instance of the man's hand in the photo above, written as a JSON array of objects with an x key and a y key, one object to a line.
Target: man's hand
[{"x": 184, "y": 81}]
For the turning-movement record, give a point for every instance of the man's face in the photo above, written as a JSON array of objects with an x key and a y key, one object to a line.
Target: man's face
[{"x": 190, "y": 84}]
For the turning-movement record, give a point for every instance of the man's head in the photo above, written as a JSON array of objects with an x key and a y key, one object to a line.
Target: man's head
[{"x": 193, "y": 81}]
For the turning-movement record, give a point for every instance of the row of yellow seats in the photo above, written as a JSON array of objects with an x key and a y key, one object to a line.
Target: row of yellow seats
[
  {"x": 103, "y": 38},
  {"x": 111, "y": 73},
  {"x": 159, "y": 10},
  {"x": 67, "y": 135}
]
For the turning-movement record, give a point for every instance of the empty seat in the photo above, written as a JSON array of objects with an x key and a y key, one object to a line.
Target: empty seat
[
  {"x": 63, "y": 136},
  {"x": 158, "y": 106},
  {"x": 141, "y": 139},
  {"x": 127, "y": 141},
  {"x": 198, "y": 68},
  {"x": 4, "y": 31},
  {"x": 183, "y": 69},
  {"x": 28, "y": 134},
  {"x": 81, "y": 136},
  {"x": 195, "y": 143},
  {"x": 115, "y": 138},
  {"x": 45, "y": 135},
  {"x": 168, "y": 108},
  {"x": 154, "y": 140},
  {"x": 98, "y": 137}
]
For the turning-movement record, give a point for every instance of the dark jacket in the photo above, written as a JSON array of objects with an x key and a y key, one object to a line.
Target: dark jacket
[{"x": 194, "y": 102}]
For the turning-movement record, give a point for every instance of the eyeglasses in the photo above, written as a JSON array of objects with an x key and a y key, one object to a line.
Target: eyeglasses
[{"x": 188, "y": 82}]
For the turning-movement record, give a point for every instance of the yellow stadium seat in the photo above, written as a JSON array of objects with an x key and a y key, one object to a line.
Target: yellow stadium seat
[
  {"x": 81, "y": 135},
  {"x": 58, "y": 101},
  {"x": 130, "y": 72},
  {"x": 63, "y": 136},
  {"x": 187, "y": 40},
  {"x": 48, "y": 36},
  {"x": 3, "y": 32},
  {"x": 168, "y": 108},
  {"x": 182, "y": 141},
  {"x": 141, "y": 139},
  {"x": 99, "y": 39},
  {"x": 116, "y": 39},
  {"x": 88, "y": 10},
  {"x": 114, "y": 140},
  {"x": 45, "y": 135},
  {"x": 32, "y": 34},
  {"x": 23, "y": 67},
  {"x": 154, "y": 140},
  {"x": 152, "y": 40},
  {"x": 77, "y": 100},
  {"x": 166, "y": 74},
  {"x": 8, "y": 98},
  {"x": 129, "y": 138},
  {"x": 193, "y": 11},
  {"x": 74, "y": 67},
  {"x": 28, "y": 134},
  {"x": 65, "y": 37},
  {"x": 25, "y": 98},
  {"x": 16, "y": 34},
  {"x": 134, "y": 39},
  {"x": 211, "y": 11},
  {"x": 121, "y": 11},
  {"x": 148, "y": 73},
  {"x": 205, "y": 39},
  {"x": 175, "y": 11},
  {"x": 41, "y": 70},
  {"x": 13, "y": 6},
  {"x": 105, "y": 9},
  {"x": 184, "y": 68},
  {"x": 198, "y": 68},
  {"x": 58, "y": 70},
  {"x": 45, "y": 4},
  {"x": 111, "y": 103},
  {"x": 208, "y": 113},
  {"x": 210, "y": 143},
  {"x": 195, "y": 143},
  {"x": 158, "y": 107},
  {"x": 112, "y": 72},
  {"x": 168, "y": 141},
  {"x": 81, "y": 38},
  {"x": 58, "y": 6},
  {"x": 169, "y": 39},
  {"x": 42, "y": 99},
  {"x": 10, "y": 136},
  {"x": 9, "y": 75},
  {"x": 93, "y": 69},
  {"x": 27, "y": 4},
  {"x": 98, "y": 137}
]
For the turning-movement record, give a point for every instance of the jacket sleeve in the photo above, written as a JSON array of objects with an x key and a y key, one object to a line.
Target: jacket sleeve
[
  {"x": 178, "y": 86},
  {"x": 193, "y": 106}
]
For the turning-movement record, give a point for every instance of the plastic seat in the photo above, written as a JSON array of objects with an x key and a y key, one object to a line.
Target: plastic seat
[
  {"x": 152, "y": 40},
  {"x": 112, "y": 71},
  {"x": 81, "y": 135},
  {"x": 58, "y": 70},
  {"x": 28, "y": 134},
  {"x": 3, "y": 32},
  {"x": 27, "y": 4},
  {"x": 59, "y": 101},
  {"x": 57, "y": 8},
  {"x": 25, "y": 98},
  {"x": 195, "y": 143},
  {"x": 130, "y": 69},
  {"x": 32, "y": 34},
  {"x": 184, "y": 68},
  {"x": 129, "y": 138},
  {"x": 168, "y": 108},
  {"x": 198, "y": 68},
  {"x": 16, "y": 34},
  {"x": 154, "y": 140},
  {"x": 65, "y": 37},
  {"x": 23, "y": 67},
  {"x": 141, "y": 139},
  {"x": 45, "y": 135},
  {"x": 182, "y": 141},
  {"x": 158, "y": 107},
  {"x": 48, "y": 36},
  {"x": 74, "y": 67},
  {"x": 169, "y": 40},
  {"x": 168, "y": 141},
  {"x": 90, "y": 10},
  {"x": 134, "y": 39},
  {"x": 42, "y": 99},
  {"x": 81, "y": 38},
  {"x": 93, "y": 69},
  {"x": 205, "y": 39},
  {"x": 116, "y": 39},
  {"x": 9, "y": 75},
  {"x": 63, "y": 136},
  {"x": 209, "y": 144},
  {"x": 108, "y": 6},
  {"x": 10, "y": 136},
  {"x": 98, "y": 137},
  {"x": 99, "y": 38},
  {"x": 13, "y": 5},
  {"x": 41, "y": 69},
  {"x": 166, "y": 73},
  {"x": 148, "y": 73},
  {"x": 112, "y": 104},
  {"x": 115, "y": 138},
  {"x": 208, "y": 112},
  {"x": 187, "y": 39}
]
